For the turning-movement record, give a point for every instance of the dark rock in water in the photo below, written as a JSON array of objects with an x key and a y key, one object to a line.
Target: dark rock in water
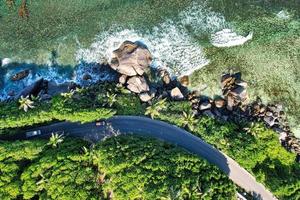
[
  {"x": 54, "y": 88},
  {"x": 45, "y": 97},
  {"x": 234, "y": 90},
  {"x": 86, "y": 77},
  {"x": 184, "y": 81},
  {"x": 73, "y": 86},
  {"x": 165, "y": 77},
  {"x": 20, "y": 75},
  {"x": 131, "y": 59},
  {"x": 11, "y": 93},
  {"x": 137, "y": 84},
  {"x": 33, "y": 89},
  {"x": 219, "y": 103},
  {"x": 176, "y": 94}
]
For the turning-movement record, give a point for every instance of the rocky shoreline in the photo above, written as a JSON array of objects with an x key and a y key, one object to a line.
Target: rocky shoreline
[{"x": 130, "y": 65}]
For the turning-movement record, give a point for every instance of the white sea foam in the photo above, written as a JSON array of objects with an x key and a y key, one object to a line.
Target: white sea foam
[
  {"x": 171, "y": 43},
  {"x": 283, "y": 14},
  {"x": 228, "y": 38}
]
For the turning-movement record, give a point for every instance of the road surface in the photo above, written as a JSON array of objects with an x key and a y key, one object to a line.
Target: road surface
[{"x": 169, "y": 133}]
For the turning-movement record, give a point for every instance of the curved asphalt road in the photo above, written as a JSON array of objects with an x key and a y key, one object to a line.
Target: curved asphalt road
[{"x": 169, "y": 133}]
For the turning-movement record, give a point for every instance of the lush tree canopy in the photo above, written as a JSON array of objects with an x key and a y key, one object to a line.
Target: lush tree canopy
[
  {"x": 124, "y": 167},
  {"x": 140, "y": 168}
]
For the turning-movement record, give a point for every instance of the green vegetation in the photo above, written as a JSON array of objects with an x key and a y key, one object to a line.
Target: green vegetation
[
  {"x": 125, "y": 167},
  {"x": 253, "y": 146},
  {"x": 75, "y": 108}
]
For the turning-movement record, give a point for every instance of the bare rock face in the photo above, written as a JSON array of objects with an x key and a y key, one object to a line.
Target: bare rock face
[
  {"x": 145, "y": 97},
  {"x": 205, "y": 106},
  {"x": 122, "y": 79},
  {"x": 131, "y": 59},
  {"x": 137, "y": 84},
  {"x": 234, "y": 90},
  {"x": 176, "y": 94},
  {"x": 20, "y": 75}
]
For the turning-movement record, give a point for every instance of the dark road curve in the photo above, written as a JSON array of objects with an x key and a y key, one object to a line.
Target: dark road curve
[{"x": 169, "y": 133}]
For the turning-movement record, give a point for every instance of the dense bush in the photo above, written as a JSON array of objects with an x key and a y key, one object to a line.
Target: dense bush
[
  {"x": 127, "y": 167},
  {"x": 140, "y": 168},
  {"x": 14, "y": 158},
  {"x": 61, "y": 173},
  {"x": 255, "y": 147},
  {"x": 74, "y": 108}
]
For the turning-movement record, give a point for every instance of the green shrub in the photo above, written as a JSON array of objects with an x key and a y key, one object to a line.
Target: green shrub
[
  {"x": 142, "y": 168},
  {"x": 14, "y": 158},
  {"x": 128, "y": 167},
  {"x": 129, "y": 104},
  {"x": 61, "y": 173}
]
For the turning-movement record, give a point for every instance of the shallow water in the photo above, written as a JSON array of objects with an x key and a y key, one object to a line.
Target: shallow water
[
  {"x": 172, "y": 43},
  {"x": 177, "y": 32}
]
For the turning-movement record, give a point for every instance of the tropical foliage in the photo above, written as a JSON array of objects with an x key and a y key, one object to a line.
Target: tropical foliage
[
  {"x": 25, "y": 103},
  {"x": 253, "y": 146},
  {"x": 122, "y": 167},
  {"x": 154, "y": 109}
]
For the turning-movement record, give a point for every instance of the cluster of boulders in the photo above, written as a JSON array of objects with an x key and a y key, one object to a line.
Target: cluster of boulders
[
  {"x": 234, "y": 95},
  {"x": 234, "y": 105},
  {"x": 274, "y": 117},
  {"x": 132, "y": 61}
]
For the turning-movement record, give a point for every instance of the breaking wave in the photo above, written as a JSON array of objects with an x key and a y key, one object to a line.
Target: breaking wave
[{"x": 172, "y": 43}]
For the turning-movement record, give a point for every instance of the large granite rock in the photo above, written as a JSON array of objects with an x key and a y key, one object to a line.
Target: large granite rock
[
  {"x": 176, "y": 94},
  {"x": 131, "y": 59},
  {"x": 137, "y": 84}
]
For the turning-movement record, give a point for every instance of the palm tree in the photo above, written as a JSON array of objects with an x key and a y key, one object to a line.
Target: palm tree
[
  {"x": 161, "y": 104},
  {"x": 189, "y": 120},
  {"x": 154, "y": 109},
  {"x": 25, "y": 103},
  {"x": 67, "y": 95},
  {"x": 111, "y": 99},
  {"x": 55, "y": 139}
]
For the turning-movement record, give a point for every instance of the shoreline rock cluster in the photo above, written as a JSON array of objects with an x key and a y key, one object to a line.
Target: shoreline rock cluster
[
  {"x": 131, "y": 61},
  {"x": 234, "y": 106}
]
